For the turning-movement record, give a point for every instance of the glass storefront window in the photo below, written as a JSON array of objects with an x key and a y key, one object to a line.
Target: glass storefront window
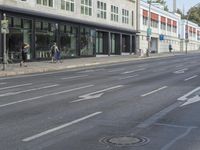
[
  {"x": 68, "y": 40},
  {"x": 87, "y": 41},
  {"x": 45, "y": 36},
  {"x": 20, "y": 31}
]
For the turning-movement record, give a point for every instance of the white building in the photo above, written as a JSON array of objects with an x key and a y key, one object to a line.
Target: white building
[
  {"x": 165, "y": 29},
  {"x": 190, "y": 31},
  {"x": 80, "y": 27}
]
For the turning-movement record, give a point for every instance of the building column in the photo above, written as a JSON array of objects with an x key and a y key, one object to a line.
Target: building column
[
  {"x": 121, "y": 44},
  {"x": 109, "y": 43},
  {"x": 131, "y": 44},
  {"x": 1, "y": 40},
  {"x": 33, "y": 40}
]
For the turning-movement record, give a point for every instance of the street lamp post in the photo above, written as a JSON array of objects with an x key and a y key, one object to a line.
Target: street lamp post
[
  {"x": 149, "y": 29},
  {"x": 187, "y": 33}
]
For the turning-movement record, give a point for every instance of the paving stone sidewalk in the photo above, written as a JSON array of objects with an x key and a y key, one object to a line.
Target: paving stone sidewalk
[{"x": 47, "y": 66}]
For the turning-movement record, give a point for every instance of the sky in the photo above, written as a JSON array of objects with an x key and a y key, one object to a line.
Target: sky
[{"x": 180, "y": 3}]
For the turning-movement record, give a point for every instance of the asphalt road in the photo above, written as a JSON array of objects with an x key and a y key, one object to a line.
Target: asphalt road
[{"x": 149, "y": 104}]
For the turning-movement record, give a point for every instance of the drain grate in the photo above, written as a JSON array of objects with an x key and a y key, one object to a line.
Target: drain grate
[{"x": 125, "y": 140}]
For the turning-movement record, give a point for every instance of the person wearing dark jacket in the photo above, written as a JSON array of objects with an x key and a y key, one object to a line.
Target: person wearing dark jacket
[{"x": 24, "y": 52}]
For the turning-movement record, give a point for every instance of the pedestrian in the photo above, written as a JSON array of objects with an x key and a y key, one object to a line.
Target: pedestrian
[
  {"x": 24, "y": 52},
  {"x": 58, "y": 56},
  {"x": 170, "y": 48},
  {"x": 53, "y": 51}
]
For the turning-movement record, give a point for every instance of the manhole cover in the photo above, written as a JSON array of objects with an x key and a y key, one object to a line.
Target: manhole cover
[{"x": 125, "y": 140}]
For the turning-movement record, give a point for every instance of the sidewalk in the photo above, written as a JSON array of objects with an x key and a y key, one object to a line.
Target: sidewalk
[{"x": 46, "y": 66}]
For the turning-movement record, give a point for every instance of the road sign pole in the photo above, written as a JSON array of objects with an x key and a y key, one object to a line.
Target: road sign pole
[{"x": 4, "y": 47}]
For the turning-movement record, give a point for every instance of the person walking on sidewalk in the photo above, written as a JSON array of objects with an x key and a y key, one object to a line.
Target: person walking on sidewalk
[
  {"x": 53, "y": 51},
  {"x": 24, "y": 52},
  {"x": 170, "y": 48}
]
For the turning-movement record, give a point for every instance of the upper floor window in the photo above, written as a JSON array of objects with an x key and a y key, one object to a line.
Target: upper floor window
[
  {"x": 125, "y": 16},
  {"x": 67, "y": 5},
  {"x": 114, "y": 13},
  {"x": 48, "y": 3},
  {"x": 86, "y": 7},
  {"x": 101, "y": 6}
]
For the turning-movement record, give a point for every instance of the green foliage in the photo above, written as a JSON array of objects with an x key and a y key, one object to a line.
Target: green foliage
[
  {"x": 163, "y": 2},
  {"x": 194, "y": 15}
]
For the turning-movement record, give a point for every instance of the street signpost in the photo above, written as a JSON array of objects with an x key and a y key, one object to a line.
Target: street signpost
[{"x": 4, "y": 31}]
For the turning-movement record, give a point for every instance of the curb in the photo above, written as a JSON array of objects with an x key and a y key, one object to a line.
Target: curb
[{"x": 57, "y": 68}]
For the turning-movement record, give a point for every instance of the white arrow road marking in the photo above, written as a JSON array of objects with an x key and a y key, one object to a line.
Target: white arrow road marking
[
  {"x": 181, "y": 71},
  {"x": 191, "y": 77},
  {"x": 191, "y": 97},
  {"x": 191, "y": 101},
  {"x": 95, "y": 95},
  {"x": 29, "y": 90},
  {"x": 184, "y": 97},
  {"x": 154, "y": 91},
  {"x": 74, "y": 77},
  {"x": 15, "y": 86},
  {"x": 127, "y": 72},
  {"x": 46, "y": 95},
  {"x": 59, "y": 127}
]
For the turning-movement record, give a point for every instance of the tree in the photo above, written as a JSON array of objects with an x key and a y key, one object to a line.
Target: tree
[
  {"x": 163, "y": 2},
  {"x": 178, "y": 11},
  {"x": 194, "y": 14}
]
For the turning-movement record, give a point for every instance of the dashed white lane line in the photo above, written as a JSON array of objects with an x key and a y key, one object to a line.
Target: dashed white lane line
[
  {"x": 74, "y": 77},
  {"x": 154, "y": 91},
  {"x": 132, "y": 71},
  {"x": 15, "y": 86},
  {"x": 128, "y": 77},
  {"x": 60, "y": 127},
  {"x": 116, "y": 70},
  {"x": 3, "y": 83},
  {"x": 29, "y": 90},
  {"x": 191, "y": 78},
  {"x": 46, "y": 95}
]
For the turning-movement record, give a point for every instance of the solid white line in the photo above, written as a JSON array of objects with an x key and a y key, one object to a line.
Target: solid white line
[
  {"x": 46, "y": 95},
  {"x": 10, "y": 87},
  {"x": 59, "y": 127},
  {"x": 128, "y": 77},
  {"x": 74, "y": 77},
  {"x": 191, "y": 77},
  {"x": 158, "y": 115},
  {"x": 154, "y": 91},
  {"x": 166, "y": 147},
  {"x": 127, "y": 72},
  {"x": 29, "y": 90}
]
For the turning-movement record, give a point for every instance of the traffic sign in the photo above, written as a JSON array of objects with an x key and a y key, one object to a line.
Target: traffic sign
[
  {"x": 149, "y": 31},
  {"x": 4, "y": 27}
]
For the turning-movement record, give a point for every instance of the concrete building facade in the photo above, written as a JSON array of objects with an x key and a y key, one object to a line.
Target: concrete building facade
[{"x": 80, "y": 27}]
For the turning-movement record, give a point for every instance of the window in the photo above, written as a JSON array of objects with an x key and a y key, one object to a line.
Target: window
[
  {"x": 67, "y": 5},
  {"x": 169, "y": 28},
  {"x": 154, "y": 23},
  {"x": 114, "y": 13},
  {"x": 101, "y": 10},
  {"x": 163, "y": 26},
  {"x": 86, "y": 7},
  {"x": 48, "y": 3},
  {"x": 125, "y": 16},
  {"x": 145, "y": 20}
]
